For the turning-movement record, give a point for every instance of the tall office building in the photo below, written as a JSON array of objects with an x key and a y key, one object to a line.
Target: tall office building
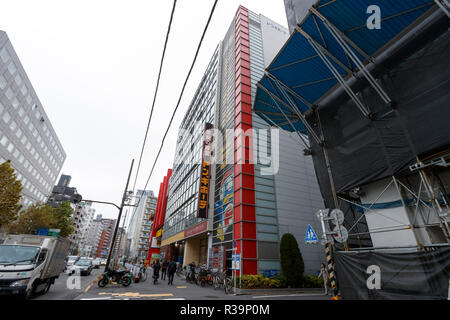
[
  {"x": 27, "y": 137},
  {"x": 244, "y": 197}
]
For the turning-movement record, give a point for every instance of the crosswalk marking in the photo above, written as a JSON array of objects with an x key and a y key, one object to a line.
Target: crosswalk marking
[{"x": 136, "y": 294}]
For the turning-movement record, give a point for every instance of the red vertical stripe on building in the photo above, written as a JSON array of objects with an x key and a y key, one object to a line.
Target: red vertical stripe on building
[
  {"x": 244, "y": 231},
  {"x": 160, "y": 213}
]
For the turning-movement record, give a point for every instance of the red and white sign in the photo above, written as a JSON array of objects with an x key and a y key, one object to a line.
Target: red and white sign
[{"x": 199, "y": 228}]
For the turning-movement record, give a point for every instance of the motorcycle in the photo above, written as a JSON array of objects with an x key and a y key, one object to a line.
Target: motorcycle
[{"x": 121, "y": 277}]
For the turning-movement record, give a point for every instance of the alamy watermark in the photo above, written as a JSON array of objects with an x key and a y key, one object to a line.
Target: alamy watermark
[{"x": 374, "y": 20}]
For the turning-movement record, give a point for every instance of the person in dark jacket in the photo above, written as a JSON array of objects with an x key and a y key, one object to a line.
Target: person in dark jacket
[
  {"x": 171, "y": 269},
  {"x": 156, "y": 267},
  {"x": 164, "y": 265}
]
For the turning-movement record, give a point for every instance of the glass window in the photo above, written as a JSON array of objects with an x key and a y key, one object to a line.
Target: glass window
[
  {"x": 18, "y": 80},
  {"x": 10, "y": 147},
  {"x": 21, "y": 112},
  {"x": 2, "y": 82},
  {"x": 12, "y": 68},
  {"x": 13, "y": 125},
  {"x": 4, "y": 55},
  {"x": 6, "y": 117},
  {"x": 26, "y": 120},
  {"x": 15, "y": 103},
  {"x": 29, "y": 99},
  {"x": 9, "y": 94},
  {"x": 2, "y": 107},
  {"x": 19, "y": 133},
  {"x": 4, "y": 141},
  {"x": 24, "y": 90}
]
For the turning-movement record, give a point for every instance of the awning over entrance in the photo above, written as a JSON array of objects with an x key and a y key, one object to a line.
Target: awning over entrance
[{"x": 331, "y": 44}]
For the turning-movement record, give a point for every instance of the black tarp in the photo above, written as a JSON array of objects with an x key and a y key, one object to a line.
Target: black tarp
[{"x": 420, "y": 275}]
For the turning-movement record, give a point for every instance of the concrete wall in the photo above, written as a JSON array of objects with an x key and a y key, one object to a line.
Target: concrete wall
[{"x": 298, "y": 199}]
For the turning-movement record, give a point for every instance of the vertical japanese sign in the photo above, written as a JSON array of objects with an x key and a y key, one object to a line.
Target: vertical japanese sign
[{"x": 205, "y": 172}]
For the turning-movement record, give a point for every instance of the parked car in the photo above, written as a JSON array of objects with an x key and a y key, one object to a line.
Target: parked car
[
  {"x": 96, "y": 263},
  {"x": 71, "y": 261},
  {"x": 83, "y": 266}
]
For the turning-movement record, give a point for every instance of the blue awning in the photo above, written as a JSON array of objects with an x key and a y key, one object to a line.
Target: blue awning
[{"x": 298, "y": 77}]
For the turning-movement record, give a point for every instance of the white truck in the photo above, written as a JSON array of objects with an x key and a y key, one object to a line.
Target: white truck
[{"x": 30, "y": 264}]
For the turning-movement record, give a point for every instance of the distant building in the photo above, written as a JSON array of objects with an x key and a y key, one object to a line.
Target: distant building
[
  {"x": 140, "y": 225},
  {"x": 104, "y": 243},
  {"x": 27, "y": 137},
  {"x": 62, "y": 192}
]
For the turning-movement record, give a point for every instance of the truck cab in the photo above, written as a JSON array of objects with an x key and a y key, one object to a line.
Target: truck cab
[{"x": 30, "y": 264}]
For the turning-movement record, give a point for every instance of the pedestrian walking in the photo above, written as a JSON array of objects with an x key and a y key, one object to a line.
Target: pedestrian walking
[
  {"x": 171, "y": 269},
  {"x": 156, "y": 267},
  {"x": 324, "y": 274},
  {"x": 164, "y": 266}
]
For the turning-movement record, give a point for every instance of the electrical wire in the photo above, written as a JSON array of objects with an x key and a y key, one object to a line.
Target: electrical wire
[
  {"x": 156, "y": 92},
  {"x": 181, "y": 95}
]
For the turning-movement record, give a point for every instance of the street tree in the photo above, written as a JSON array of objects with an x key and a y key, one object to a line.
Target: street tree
[
  {"x": 10, "y": 189},
  {"x": 63, "y": 215},
  {"x": 292, "y": 265},
  {"x": 34, "y": 217}
]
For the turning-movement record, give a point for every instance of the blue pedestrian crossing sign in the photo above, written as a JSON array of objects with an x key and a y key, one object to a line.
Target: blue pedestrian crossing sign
[{"x": 311, "y": 236}]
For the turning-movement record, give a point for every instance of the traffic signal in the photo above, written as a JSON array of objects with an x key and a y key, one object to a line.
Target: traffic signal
[{"x": 77, "y": 198}]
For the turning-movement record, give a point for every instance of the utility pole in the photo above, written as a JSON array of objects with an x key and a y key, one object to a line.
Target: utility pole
[{"x": 124, "y": 197}]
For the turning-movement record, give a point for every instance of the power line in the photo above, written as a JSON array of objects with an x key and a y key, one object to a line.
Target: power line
[
  {"x": 181, "y": 95},
  {"x": 156, "y": 92}
]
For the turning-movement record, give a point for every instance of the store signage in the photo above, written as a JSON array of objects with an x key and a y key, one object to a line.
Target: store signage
[
  {"x": 236, "y": 261},
  {"x": 205, "y": 172},
  {"x": 199, "y": 228}
]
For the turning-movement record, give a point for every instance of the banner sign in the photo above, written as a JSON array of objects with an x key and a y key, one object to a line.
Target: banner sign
[
  {"x": 205, "y": 172},
  {"x": 217, "y": 258}
]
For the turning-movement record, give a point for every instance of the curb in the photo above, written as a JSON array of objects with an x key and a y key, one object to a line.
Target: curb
[
  {"x": 93, "y": 282},
  {"x": 276, "y": 291}
]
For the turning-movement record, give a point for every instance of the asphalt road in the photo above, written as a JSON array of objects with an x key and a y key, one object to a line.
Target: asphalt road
[
  {"x": 181, "y": 290},
  {"x": 69, "y": 287},
  {"x": 86, "y": 288}
]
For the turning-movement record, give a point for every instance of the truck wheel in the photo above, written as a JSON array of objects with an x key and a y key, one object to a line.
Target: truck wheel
[{"x": 47, "y": 287}]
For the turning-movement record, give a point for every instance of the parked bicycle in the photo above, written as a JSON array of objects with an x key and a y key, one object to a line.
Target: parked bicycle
[{"x": 142, "y": 275}]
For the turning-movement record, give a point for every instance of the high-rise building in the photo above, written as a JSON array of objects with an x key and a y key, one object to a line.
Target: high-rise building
[
  {"x": 27, "y": 137},
  {"x": 62, "y": 192},
  {"x": 140, "y": 224},
  {"x": 105, "y": 241},
  {"x": 93, "y": 236},
  {"x": 244, "y": 199}
]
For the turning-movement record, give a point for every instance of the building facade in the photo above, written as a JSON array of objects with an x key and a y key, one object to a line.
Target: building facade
[
  {"x": 158, "y": 222},
  {"x": 246, "y": 176},
  {"x": 27, "y": 137},
  {"x": 140, "y": 225},
  {"x": 104, "y": 243}
]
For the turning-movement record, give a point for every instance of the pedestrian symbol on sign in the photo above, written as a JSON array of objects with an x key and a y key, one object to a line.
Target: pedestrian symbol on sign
[{"x": 311, "y": 236}]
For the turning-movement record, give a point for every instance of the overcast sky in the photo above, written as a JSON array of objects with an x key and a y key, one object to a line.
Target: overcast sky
[{"x": 94, "y": 64}]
